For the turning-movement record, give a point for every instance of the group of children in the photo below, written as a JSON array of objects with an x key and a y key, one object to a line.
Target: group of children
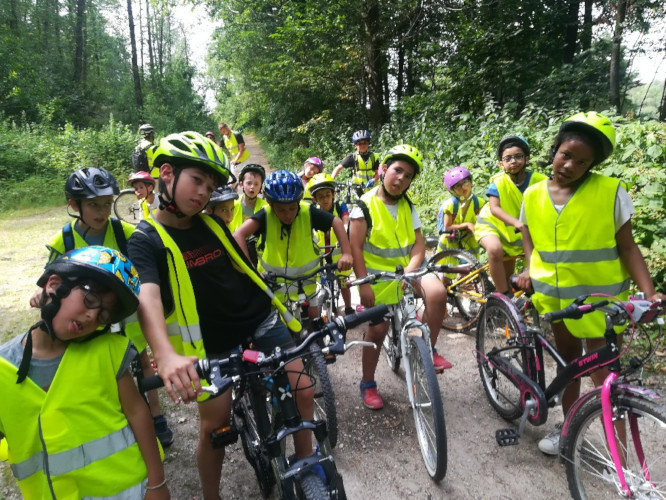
[{"x": 202, "y": 295}]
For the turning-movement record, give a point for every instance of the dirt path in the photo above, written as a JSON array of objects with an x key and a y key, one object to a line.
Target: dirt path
[{"x": 377, "y": 452}]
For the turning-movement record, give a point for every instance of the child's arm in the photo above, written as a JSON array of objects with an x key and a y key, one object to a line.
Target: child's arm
[
  {"x": 450, "y": 226},
  {"x": 524, "y": 281},
  {"x": 357, "y": 231},
  {"x": 337, "y": 170},
  {"x": 137, "y": 414},
  {"x": 247, "y": 229},
  {"x": 496, "y": 210},
  {"x": 632, "y": 258},
  {"x": 417, "y": 254},
  {"x": 346, "y": 259}
]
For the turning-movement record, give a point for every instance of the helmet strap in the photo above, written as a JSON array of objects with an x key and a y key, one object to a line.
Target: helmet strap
[
  {"x": 169, "y": 204},
  {"x": 389, "y": 195}
]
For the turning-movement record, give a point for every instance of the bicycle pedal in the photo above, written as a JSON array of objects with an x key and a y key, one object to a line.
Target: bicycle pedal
[
  {"x": 507, "y": 437},
  {"x": 224, "y": 436},
  {"x": 330, "y": 359}
]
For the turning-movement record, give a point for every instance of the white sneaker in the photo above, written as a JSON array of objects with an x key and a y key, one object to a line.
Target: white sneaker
[{"x": 550, "y": 443}]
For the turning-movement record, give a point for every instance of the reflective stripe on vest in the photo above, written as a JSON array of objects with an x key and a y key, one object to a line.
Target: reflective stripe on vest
[
  {"x": 364, "y": 171},
  {"x": 55, "y": 448},
  {"x": 575, "y": 251},
  {"x": 291, "y": 252},
  {"x": 389, "y": 244}
]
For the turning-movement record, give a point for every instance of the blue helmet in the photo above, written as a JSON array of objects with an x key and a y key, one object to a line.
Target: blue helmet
[
  {"x": 102, "y": 265},
  {"x": 360, "y": 135},
  {"x": 283, "y": 186}
]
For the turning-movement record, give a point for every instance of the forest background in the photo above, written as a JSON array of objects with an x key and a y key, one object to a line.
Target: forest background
[{"x": 451, "y": 77}]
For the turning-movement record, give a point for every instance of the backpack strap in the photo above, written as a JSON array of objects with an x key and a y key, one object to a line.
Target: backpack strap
[
  {"x": 475, "y": 200},
  {"x": 366, "y": 215},
  {"x": 68, "y": 237},
  {"x": 119, "y": 235},
  {"x": 456, "y": 206}
]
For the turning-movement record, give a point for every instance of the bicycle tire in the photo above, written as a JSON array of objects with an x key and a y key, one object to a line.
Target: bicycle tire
[
  {"x": 428, "y": 408},
  {"x": 499, "y": 329},
  {"x": 465, "y": 300},
  {"x": 324, "y": 401},
  {"x": 127, "y": 208},
  {"x": 588, "y": 463},
  {"x": 391, "y": 343},
  {"x": 312, "y": 487}
]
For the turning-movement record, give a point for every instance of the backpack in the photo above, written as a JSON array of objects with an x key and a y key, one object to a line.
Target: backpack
[
  {"x": 118, "y": 233},
  {"x": 140, "y": 161},
  {"x": 456, "y": 205}
]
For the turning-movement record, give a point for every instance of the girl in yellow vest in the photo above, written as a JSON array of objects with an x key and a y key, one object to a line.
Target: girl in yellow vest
[
  {"x": 75, "y": 423},
  {"x": 322, "y": 188},
  {"x": 578, "y": 240},
  {"x": 286, "y": 241},
  {"x": 200, "y": 296},
  {"x": 391, "y": 235},
  {"x": 497, "y": 226}
]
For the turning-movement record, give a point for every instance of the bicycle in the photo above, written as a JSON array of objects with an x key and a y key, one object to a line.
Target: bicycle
[
  {"x": 264, "y": 412},
  {"x": 409, "y": 338},
  {"x": 467, "y": 286},
  {"x": 316, "y": 362},
  {"x": 348, "y": 191},
  {"x": 600, "y": 458},
  {"x": 127, "y": 207}
]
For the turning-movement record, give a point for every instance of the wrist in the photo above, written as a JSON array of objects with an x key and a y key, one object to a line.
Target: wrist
[{"x": 156, "y": 486}]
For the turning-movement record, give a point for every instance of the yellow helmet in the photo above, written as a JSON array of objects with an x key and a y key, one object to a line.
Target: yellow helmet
[
  {"x": 191, "y": 149},
  {"x": 321, "y": 181},
  {"x": 408, "y": 153},
  {"x": 597, "y": 125}
]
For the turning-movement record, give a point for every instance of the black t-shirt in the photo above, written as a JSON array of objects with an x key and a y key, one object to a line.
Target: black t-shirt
[
  {"x": 350, "y": 160},
  {"x": 320, "y": 220},
  {"x": 229, "y": 304},
  {"x": 237, "y": 135}
]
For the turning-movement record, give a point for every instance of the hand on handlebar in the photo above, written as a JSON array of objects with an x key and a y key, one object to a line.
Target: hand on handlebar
[
  {"x": 345, "y": 262},
  {"x": 366, "y": 295},
  {"x": 179, "y": 375},
  {"x": 523, "y": 281}
]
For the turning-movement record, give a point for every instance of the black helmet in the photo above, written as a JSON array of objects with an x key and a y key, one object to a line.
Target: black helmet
[
  {"x": 224, "y": 193},
  {"x": 517, "y": 140},
  {"x": 90, "y": 182},
  {"x": 252, "y": 167}
]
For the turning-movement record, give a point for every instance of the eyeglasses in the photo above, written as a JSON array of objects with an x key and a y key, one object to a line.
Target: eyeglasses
[
  {"x": 509, "y": 158},
  {"x": 93, "y": 301},
  {"x": 462, "y": 183}
]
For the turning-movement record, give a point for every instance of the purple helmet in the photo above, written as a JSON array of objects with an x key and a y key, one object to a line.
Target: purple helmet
[
  {"x": 316, "y": 162},
  {"x": 455, "y": 175}
]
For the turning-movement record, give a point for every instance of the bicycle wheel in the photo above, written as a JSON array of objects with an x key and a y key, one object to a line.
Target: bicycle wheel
[
  {"x": 428, "y": 408},
  {"x": 311, "y": 487},
  {"x": 465, "y": 293},
  {"x": 590, "y": 469},
  {"x": 391, "y": 344},
  {"x": 127, "y": 208},
  {"x": 324, "y": 402},
  {"x": 501, "y": 329}
]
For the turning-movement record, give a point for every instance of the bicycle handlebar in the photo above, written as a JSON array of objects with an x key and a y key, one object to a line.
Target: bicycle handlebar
[
  {"x": 400, "y": 275},
  {"x": 271, "y": 276},
  {"x": 212, "y": 369},
  {"x": 639, "y": 310}
]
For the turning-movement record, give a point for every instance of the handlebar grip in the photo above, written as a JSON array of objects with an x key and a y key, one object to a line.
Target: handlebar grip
[
  {"x": 149, "y": 383},
  {"x": 371, "y": 314},
  {"x": 574, "y": 311}
]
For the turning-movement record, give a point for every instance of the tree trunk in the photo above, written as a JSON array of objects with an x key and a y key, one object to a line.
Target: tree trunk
[
  {"x": 374, "y": 72},
  {"x": 586, "y": 33},
  {"x": 79, "y": 40},
  {"x": 151, "y": 58},
  {"x": 662, "y": 105},
  {"x": 138, "y": 98},
  {"x": 571, "y": 33},
  {"x": 401, "y": 69},
  {"x": 616, "y": 54}
]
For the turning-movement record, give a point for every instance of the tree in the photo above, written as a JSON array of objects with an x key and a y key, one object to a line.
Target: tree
[{"x": 138, "y": 98}]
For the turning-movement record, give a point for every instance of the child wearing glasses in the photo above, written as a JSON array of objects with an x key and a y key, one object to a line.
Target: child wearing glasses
[
  {"x": 497, "y": 226},
  {"x": 457, "y": 215}
]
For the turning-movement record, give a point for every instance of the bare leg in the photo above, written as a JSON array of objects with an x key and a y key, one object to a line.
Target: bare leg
[
  {"x": 370, "y": 357},
  {"x": 493, "y": 247},
  {"x": 305, "y": 402},
  {"x": 213, "y": 414}
]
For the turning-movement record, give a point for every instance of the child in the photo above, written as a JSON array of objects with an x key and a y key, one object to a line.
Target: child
[
  {"x": 363, "y": 163},
  {"x": 497, "y": 226},
  {"x": 89, "y": 193},
  {"x": 251, "y": 180},
  {"x": 222, "y": 204},
  {"x": 234, "y": 144},
  {"x": 142, "y": 156},
  {"x": 322, "y": 188},
  {"x": 75, "y": 424},
  {"x": 211, "y": 136},
  {"x": 285, "y": 235},
  {"x": 390, "y": 236},
  {"x": 311, "y": 167},
  {"x": 200, "y": 296},
  {"x": 144, "y": 188},
  {"x": 587, "y": 217},
  {"x": 459, "y": 212}
]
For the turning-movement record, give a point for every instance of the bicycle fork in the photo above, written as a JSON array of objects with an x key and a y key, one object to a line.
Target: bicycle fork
[{"x": 412, "y": 324}]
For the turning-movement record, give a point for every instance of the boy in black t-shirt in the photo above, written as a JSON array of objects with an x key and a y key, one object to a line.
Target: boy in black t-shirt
[
  {"x": 194, "y": 302},
  {"x": 363, "y": 163}
]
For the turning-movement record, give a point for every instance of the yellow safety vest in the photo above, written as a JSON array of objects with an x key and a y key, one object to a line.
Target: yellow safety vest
[
  {"x": 238, "y": 219},
  {"x": 575, "y": 251},
  {"x": 510, "y": 200},
  {"x": 388, "y": 244},
  {"x": 333, "y": 240},
  {"x": 465, "y": 213},
  {"x": 130, "y": 324},
  {"x": 291, "y": 252},
  {"x": 363, "y": 171},
  {"x": 231, "y": 144},
  {"x": 73, "y": 441}
]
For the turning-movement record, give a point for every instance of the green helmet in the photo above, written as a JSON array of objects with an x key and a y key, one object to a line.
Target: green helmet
[
  {"x": 405, "y": 152},
  {"x": 595, "y": 124},
  {"x": 191, "y": 149}
]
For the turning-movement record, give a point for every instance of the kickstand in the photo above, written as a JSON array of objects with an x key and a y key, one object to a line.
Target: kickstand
[{"x": 509, "y": 436}]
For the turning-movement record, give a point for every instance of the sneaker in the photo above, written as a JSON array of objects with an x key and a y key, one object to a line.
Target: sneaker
[
  {"x": 550, "y": 443},
  {"x": 440, "y": 363},
  {"x": 162, "y": 430},
  {"x": 371, "y": 399},
  {"x": 349, "y": 310}
]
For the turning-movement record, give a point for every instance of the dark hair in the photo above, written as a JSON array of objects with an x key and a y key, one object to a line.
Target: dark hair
[
  {"x": 579, "y": 135},
  {"x": 514, "y": 144},
  {"x": 404, "y": 158}
]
